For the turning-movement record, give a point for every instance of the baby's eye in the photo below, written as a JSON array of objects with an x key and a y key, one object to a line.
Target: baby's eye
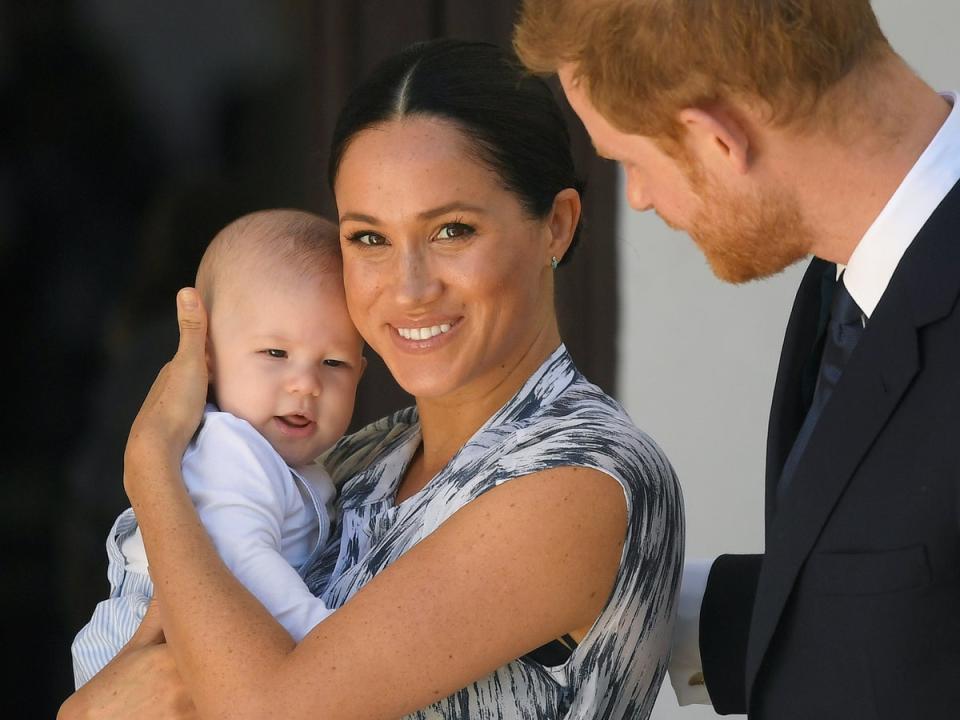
[
  {"x": 454, "y": 230},
  {"x": 330, "y": 362},
  {"x": 276, "y": 353},
  {"x": 365, "y": 237}
]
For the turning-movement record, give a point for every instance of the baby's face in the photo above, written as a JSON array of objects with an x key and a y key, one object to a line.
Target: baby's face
[{"x": 285, "y": 357}]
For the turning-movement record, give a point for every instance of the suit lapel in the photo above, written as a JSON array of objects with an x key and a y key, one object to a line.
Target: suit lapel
[
  {"x": 789, "y": 405},
  {"x": 923, "y": 289},
  {"x": 878, "y": 374}
]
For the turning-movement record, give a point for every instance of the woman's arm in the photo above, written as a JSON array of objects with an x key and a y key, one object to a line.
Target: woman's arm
[{"x": 519, "y": 566}]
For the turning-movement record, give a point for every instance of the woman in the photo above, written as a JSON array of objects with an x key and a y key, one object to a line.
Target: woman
[{"x": 514, "y": 505}]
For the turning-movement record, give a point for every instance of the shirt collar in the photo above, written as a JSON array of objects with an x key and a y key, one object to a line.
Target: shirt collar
[{"x": 878, "y": 253}]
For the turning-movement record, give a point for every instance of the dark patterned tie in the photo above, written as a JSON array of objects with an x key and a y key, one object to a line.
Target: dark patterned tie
[{"x": 843, "y": 332}]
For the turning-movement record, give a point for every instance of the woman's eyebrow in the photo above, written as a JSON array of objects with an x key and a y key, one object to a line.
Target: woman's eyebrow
[
  {"x": 425, "y": 215},
  {"x": 450, "y": 207},
  {"x": 359, "y": 217}
]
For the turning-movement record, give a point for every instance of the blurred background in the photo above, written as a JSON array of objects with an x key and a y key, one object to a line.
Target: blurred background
[{"x": 131, "y": 131}]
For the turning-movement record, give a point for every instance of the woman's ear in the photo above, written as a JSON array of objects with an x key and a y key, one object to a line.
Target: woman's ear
[
  {"x": 717, "y": 137},
  {"x": 563, "y": 221}
]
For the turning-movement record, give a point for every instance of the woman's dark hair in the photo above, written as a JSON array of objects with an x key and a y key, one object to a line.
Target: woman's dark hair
[{"x": 510, "y": 116}]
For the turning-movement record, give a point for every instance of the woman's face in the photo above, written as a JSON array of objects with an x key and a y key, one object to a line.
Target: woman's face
[{"x": 447, "y": 276}]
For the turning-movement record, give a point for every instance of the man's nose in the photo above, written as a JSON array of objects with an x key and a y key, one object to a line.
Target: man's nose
[{"x": 637, "y": 197}]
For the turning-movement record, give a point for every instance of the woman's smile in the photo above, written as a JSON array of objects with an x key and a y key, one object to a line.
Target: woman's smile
[
  {"x": 426, "y": 336},
  {"x": 424, "y": 332}
]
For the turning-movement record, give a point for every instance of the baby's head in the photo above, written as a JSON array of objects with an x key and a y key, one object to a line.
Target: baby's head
[{"x": 282, "y": 351}]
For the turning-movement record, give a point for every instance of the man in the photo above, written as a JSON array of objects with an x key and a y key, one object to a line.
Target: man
[{"x": 770, "y": 130}]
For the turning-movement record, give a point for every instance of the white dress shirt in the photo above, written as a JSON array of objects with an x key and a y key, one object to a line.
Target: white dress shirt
[{"x": 866, "y": 276}]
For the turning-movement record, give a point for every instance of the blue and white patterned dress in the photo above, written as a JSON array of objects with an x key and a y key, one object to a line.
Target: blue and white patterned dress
[{"x": 556, "y": 419}]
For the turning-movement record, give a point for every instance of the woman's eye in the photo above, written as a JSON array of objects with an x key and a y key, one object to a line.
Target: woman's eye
[
  {"x": 454, "y": 230},
  {"x": 368, "y": 238},
  {"x": 330, "y": 362},
  {"x": 275, "y": 353}
]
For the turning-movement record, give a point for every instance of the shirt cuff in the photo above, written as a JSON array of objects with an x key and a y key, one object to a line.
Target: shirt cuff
[{"x": 686, "y": 667}]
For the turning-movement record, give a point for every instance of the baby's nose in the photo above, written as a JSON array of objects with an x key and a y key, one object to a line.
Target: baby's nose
[{"x": 305, "y": 383}]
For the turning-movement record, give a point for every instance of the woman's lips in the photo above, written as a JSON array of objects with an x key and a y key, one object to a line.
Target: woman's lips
[
  {"x": 294, "y": 426},
  {"x": 425, "y": 335}
]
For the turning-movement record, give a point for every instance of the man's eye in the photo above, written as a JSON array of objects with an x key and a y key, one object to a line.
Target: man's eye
[
  {"x": 365, "y": 237},
  {"x": 454, "y": 230},
  {"x": 276, "y": 353},
  {"x": 330, "y": 362}
]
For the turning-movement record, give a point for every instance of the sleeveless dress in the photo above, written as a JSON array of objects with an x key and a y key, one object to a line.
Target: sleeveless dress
[{"x": 556, "y": 419}]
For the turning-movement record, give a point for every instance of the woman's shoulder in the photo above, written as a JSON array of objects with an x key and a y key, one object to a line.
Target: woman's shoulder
[
  {"x": 584, "y": 426},
  {"x": 355, "y": 451}
]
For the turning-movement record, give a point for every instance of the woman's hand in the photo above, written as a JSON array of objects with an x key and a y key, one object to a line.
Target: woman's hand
[
  {"x": 141, "y": 682},
  {"x": 172, "y": 409}
]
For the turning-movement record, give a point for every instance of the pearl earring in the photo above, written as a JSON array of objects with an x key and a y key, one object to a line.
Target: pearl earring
[{"x": 554, "y": 262}]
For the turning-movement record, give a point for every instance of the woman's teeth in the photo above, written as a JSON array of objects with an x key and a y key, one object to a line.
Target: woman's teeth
[{"x": 424, "y": 333}]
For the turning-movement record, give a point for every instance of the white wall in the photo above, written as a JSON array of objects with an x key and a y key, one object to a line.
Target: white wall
[{"x": 698, "y": 358}]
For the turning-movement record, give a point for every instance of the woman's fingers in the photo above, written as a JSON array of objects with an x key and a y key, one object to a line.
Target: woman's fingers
[
  {"x": 193, "y": 326},
  {"x": 150, "y": 630},
  {"x": 172, "y": 409}
]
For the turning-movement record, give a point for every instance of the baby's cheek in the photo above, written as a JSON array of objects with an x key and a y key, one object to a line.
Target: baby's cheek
[{"x": 341, "y": 408}]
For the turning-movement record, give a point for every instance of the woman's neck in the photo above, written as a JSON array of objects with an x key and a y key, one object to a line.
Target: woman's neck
[{"x": 447, "y": 423}]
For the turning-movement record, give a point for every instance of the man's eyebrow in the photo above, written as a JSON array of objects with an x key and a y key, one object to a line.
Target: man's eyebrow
[{"x": 425, "y": 215}]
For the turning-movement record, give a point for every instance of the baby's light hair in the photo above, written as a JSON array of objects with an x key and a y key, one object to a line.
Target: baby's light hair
[{"x": 270, "y": 241}]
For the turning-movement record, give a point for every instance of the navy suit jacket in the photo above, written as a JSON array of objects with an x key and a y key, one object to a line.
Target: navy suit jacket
[{"x": 854, "y": 609}]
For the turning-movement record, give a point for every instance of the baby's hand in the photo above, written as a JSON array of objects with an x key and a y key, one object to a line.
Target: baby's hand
[{"x": 173, "y": 408}]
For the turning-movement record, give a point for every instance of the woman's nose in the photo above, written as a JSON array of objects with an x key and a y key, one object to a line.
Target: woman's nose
[{"x": 416, "y": 283}]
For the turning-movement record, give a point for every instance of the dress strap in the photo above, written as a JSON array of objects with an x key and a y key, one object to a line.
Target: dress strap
[{"x": 555, "y": 652}]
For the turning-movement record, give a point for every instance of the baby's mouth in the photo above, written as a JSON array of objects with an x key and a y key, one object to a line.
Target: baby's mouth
[
  {"x": 295, "y": 426},
  {"x": 294, "y": 421}
]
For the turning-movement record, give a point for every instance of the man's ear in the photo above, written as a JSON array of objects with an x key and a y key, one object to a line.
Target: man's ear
[
  {"x": 363, "y": 366},
  {"x": 717, "y": 136}
]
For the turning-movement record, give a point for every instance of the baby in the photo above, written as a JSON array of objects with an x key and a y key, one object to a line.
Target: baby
[{"x": 284, "y": 363}]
